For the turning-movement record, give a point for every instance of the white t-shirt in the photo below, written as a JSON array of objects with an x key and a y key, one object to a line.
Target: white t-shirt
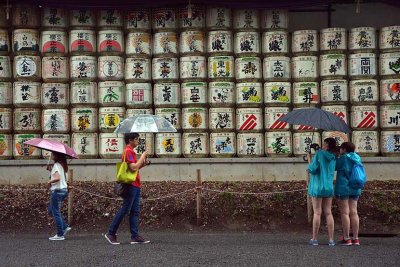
[{"x": 62, "y": 183}]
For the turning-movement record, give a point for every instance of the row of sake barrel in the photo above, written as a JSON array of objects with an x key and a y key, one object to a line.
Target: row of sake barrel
[
  {"x": 229, "y": 144},
  {"x": 22, "y": 120},
  {"x": 160, "y": 19},
  {"x": 215, "y": 94}
]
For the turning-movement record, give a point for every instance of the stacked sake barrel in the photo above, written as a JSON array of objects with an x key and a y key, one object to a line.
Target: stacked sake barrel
[
  {"x": 27, "y": 73},
  {"x": 55, "y": 76},
  {"x": 364, "y": 90},
  {"x": 389, "y": 68},
  {"x": 83, "y": 88},
  {"x": 277, "y": 86},
  {"x": 221, "y": 87}
]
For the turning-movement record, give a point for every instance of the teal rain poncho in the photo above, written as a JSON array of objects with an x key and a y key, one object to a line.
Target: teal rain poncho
[
  {"x": 344, "y": 165},
  {"x": 322, "y": 172}
]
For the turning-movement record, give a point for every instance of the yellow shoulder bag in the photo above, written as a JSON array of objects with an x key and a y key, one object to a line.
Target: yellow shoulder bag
[{"x": 124, "y": 174}]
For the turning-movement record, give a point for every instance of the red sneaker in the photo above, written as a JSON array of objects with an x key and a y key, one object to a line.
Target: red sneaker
[
  {"x": 356, "y": 242},
  {"x": 345, "y": 242}
]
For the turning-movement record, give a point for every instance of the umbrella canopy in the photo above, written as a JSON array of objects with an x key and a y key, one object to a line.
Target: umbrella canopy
[
  {"x": 316, "y": 118},
  {"x": 145, "y": 123},
  {"x": 53, "y": 146}
]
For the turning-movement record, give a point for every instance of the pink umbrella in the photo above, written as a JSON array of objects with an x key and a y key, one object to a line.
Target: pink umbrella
[{"x": 53, "y": 146}]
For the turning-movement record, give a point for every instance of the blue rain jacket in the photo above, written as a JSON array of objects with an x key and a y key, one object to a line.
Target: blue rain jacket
[
  {"x": 322, "y": 172},
  {"x": 344, "y": 165}
]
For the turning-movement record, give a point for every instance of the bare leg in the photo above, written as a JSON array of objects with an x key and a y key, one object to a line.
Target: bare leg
[
  {"x": 354, "y": 219},
  {"x": 344, "y": 215},
  {"x": 327, "y": 206},
  {"x": 317, "y": 202}
]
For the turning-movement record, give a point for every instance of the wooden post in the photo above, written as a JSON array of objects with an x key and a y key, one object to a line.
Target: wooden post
[
  {"x": 198, "y": 200},
  {"x": 70, "y": 195}
]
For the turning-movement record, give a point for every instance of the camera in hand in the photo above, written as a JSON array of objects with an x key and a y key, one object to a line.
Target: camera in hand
[
  {"x": 315, "y": 146},
  {"x": 148, "y": 162}
]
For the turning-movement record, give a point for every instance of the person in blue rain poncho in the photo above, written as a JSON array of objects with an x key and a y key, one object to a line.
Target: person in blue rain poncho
[
  {"x": 320, "y": 187},
  {"x": 346, "y": 196}
]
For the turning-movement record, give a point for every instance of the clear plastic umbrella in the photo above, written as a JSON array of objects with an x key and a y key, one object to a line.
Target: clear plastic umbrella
[{"x": 145, "y": 123}]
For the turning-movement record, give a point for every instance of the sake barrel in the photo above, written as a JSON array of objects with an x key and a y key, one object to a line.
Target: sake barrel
[
  {"x": 302, "y": 142},
  {"x": 110, "y": 118},
  {"x": 23, "y": 151},
  {"x": 4, "y": 42},
  {"x": 168, "y": 145},
  {"x": 54, "y": 18},
  {"x": 27, "y": 68},
  {"x": 110, "y": 42},
  {"x": 389, "y": 116},
  {"x": 55, "y": 69},
  {"x": 167, "y": 95},
  {"x": 55, "y": 121},
  {"x": 6, "y": 94},
  {"x": 55, "y": 95},
  {"x": 195, "y": 119},
  {"x": 54, "y": 43},
  {"x": 364, "y": 117},
  {"x": 272, "y": 116},
  {"x": 165, "y": 44},
  {"x": 83, "y": 93},
  {"x": 338, "y": 136},
  {"x": 250, "y": 145},
  {"x": 139, "y": 95},
  {"x": 63, "y": 138},
  {"x": 219, "y": 42},
  {"x": 83, "y": 68},
  {"x": 111, "y": 94},
  {"x": 84, "y": 119},
  {"x": 249, "y": 94},
  {"x": 249, "y": 119},
  {"x": 108, "y": 18},
  {"x": 146, "y": 143},
  {"x": 25, "y": 41},
  {"x": 139, "y": 44},
  {"x": 137, "y": 70},
  {"x": 218, "y": 18},
  {"x": 111, "y": 145},
  {"x": 137, "y": 111},
  {"x": 277, "y": 93},
  {"x": 364, "y": 92},
  {"x": 5, "y": 68},
  {"x": 194, "y": 93},
  {"x": 173, "y": 115},
  {"x": 333, "y": 66},
  {"x": 390, "y": 143},
  {"x": 110, "y": 68},
  {"x": 305, "y": 94},
  {"x": 248, "y": 69},
  {"x": 362, "y": 66},
  {"x": 192, "y": 17},
  {"x": 193, "y": 68},
  {"x": 6, "y": 124},
  {"x": 305, "y": 68},
  {"x": 221, "y": 67},
  {"x": 334, "y": 92},
  {"x": 275, "y": 43},
  {"x": 362, "y": 39},
  {"x": 164, "y": 19},
  {"x": 338, "y": 110},
  {"x": 246, "y": 19},
  {"x": 389, "y": 90},
  {"x": 389, "y": 39},
  {"x": 26, "y": 94},
  {"x": 333, "y": 40},
  {"x": 222, "y": 145},
  {"x": 221, "y": 94},
  {"x": 278, "y": 144},
  {"x": 366, "y": 142},
  {"x": 389, "y": 65},
  {"x": 247, "y": 43},
  {"x": 85, "y": 145},
  {"x": 165, "y": 69},
  {"x": 6, "y": 146},
  {"x": 276, "y": 68},
  {"x": 272, "y": 19},
  {"x": 195, "y": 145},
  {"x": 192, "y": 43},
  {"x": 25, "y": 16},
  {"x": 27, "y": 120},
  {"x": 222, "y": 119},
  {"x": 305, "y": 42},
  {"x": 82, "y": 41},
  {"x": 138, "y": 20},
  {"x": 82, "y": 18}
]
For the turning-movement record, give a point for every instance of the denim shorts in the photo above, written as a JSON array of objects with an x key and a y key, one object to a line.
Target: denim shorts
[{"x": 348, "y": 197}]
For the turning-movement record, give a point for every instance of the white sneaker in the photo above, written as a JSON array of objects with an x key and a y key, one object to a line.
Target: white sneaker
[
  {"x": 67, "y": 230},
  {"x": 57, "y": 238}
]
